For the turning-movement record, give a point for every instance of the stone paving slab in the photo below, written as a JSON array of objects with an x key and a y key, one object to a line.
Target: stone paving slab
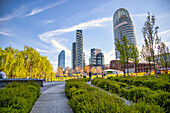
[{"x": 52, "y": 100}]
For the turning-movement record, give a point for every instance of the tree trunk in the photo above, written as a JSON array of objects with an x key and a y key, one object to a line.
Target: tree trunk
[{"x": 127, "y": 66}]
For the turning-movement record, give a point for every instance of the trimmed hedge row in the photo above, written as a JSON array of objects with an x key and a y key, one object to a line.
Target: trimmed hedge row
[
  {"x": 134, "y": 93},
  {"x": 18, "y": 98},
  {"x": 86, "y": 99},
  {"x": 161, "y": 83},
  {"x": 80, "y": 80}
]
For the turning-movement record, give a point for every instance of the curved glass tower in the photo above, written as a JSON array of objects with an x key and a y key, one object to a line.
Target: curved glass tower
[
  {"x": 123, "y": 25},
  {"x": 61, "y": 59}
]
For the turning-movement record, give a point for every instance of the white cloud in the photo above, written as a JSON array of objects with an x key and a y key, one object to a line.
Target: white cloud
[
  {"x": 40, "y": 50},
  {"x": 14, "y": 14},
  {"x": 167, "y": 43},
  {"x": 38, "y": 10},
  {"x": 139, "y": 15},
  {"x": 6, "y": 33},
  {"x": 85, "y": 25},
  {"x": 108, "y": 56},
  {"x": 164, "y": 32},
  {"x": 60, "y": 47},
  {"x": 47, "y": 21}
]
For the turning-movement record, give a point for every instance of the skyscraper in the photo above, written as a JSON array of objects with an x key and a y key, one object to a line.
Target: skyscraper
[
  {"x": 79, "y": 49},
  {"x": 94, "y": 53},
  {"x": 61, "y": 59},
  {"x": 123, "y": 25},
  {"x": 97, "y": 57},
  {"x": 100, "y": 59},
  {"x": 73, "y": 55}
]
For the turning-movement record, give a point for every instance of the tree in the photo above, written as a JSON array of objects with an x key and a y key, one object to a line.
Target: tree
[
  {"x": 146, "y": 55},
  {"x": 99, "y": 70},
  {"x": 21, "y": 64},
  {"x": 164, "y": 55},
  {"x": 124, "y": 47},
  {"x": 150, "y": 34},
  {"x": 135, "y": 56},
  {"x": 77, "y": 69},
  {"x": 120, "y": 48},
  {"x": 87, "y": 69},
  {"x": 93, "y": 70}
]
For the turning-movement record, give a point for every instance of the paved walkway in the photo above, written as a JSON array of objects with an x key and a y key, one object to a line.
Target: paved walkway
[{"x": 52, "y": 100}]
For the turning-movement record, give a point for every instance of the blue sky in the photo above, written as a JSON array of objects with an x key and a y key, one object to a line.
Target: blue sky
[{"x": 50, "y": 26}]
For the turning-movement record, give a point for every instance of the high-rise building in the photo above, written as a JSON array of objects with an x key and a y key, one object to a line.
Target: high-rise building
[
  {"x": 84, "y": 62},
  {"x": 61, "y": 59},
  {"x": 97, "y": 57},
  {"x": 94, "y": 53},
  {"x": 73, "y": 55},
  {"x": 100, "y": 59},
  {"x": 79, "y": 48},
  {"x": 123, "y": 25}
]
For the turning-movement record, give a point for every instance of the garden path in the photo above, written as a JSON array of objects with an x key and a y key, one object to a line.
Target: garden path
[{"x": 52, "y": 99}]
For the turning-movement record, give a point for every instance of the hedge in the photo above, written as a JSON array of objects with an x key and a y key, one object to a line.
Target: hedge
[
  {"x": 18, "y": 98},
  {"x": 160, "y": 83},
  {"x": 134, "y": 93},
  {"x": 84, "y": 98}
]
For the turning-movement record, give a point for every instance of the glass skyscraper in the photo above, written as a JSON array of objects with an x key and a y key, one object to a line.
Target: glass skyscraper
[
  {"x": 123, "y": 25},
  {"x": 61, "y": 59},
  {"x": 74, "y": 55},
  {"x": 79, "y": 49}
]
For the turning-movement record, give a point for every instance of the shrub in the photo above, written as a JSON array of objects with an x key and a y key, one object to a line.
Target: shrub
[
  {"x": 17, "y": 97},
  {"x": 87, "y": 99}
]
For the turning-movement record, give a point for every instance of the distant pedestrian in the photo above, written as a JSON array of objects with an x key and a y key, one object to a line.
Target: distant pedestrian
[
  {"x": 2, "y": 74},
  {"x": 116, "y": 74},
  {"x": 90, "y": 75}
]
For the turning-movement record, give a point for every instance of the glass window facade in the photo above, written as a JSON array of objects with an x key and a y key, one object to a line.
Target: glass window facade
[
  {"x": 61, "y": 59},
  {"x": 123, "y": 25}
]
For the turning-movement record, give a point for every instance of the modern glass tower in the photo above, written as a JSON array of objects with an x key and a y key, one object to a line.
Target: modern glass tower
[
  {"x": 61, "y": 59},
  {"x": 79, "y": 49},
  {"x": 123, "y": 25},
  {"x": 74, "y": 55}
]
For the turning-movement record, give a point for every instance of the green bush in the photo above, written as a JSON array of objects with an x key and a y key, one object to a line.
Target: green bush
[
  {"x": 17, "y": 97},
  {"x": 87, "y": 99},
  {"x": 134, "y": 93}
]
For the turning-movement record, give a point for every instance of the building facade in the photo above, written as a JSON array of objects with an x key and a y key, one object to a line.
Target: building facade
[
  {"x": 79, "y": 49},
  {"x": 61, "y": 59},
  {"x": 94, "y": 53},
  {"x": 73, "y": 55},
  {"x": 100, "y": 59},
  {"x": 141, "y": 67},
  {"x": 123, "y": 25}
]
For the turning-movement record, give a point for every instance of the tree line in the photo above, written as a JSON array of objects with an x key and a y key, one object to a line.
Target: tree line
[
  {"x": 25, "y": 64},
  {"x": 129, "y": 52}
]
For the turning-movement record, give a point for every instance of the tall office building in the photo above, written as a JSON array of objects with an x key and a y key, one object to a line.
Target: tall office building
[
  {"x": 79, "y": 49},
  {"x": 73, "y": 55},
  {"x": 61, "y": 59},
  {"x": 94, "y": 53},
  {"x": 123, "y": 25},
  {"x": 100, "y": 59},
  {"x": 97, "y": 57},
  {"x": 84, "y": 62}
]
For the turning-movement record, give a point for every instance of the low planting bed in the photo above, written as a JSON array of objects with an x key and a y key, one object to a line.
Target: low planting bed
[
  {"x": 162, "y": 82},
  {"x": 18, "y": 98},
  {"x": 134, "y": 93},
  {"x": 84, "y": 98}
]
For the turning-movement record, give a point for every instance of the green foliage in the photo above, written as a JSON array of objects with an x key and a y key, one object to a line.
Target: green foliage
[
  {"x": 87, "y": 99},
  {"x": 17, "y": 97},
  {"x": 145, "y": 89},
  {"x": 80, "y": 80},
  {"x": 24, "y": 64}
]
